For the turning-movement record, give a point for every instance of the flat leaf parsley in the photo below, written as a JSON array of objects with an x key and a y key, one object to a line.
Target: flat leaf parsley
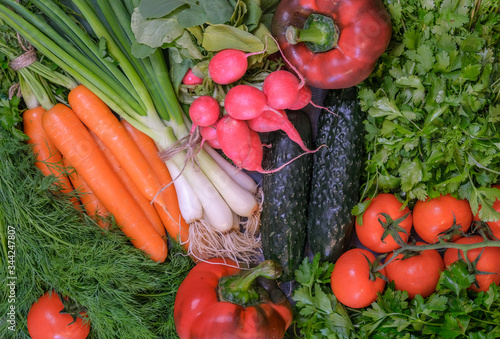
[{"x": 433, "y": 103}]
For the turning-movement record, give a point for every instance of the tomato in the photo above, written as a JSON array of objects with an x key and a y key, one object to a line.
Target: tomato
[
  {"x": 488, "y": 262},
  {"x": 433, "y": 216},
  {"x": 493, "y": 225},
  {"x": 370, "y": 233},
  {"x": 350, "y": 279},
  {"x": 45, "y": 321},
  {"x": 416, "y": 275}
]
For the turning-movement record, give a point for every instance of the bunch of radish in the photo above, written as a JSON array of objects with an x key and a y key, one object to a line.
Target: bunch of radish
[{"x": 248, "y": 110}]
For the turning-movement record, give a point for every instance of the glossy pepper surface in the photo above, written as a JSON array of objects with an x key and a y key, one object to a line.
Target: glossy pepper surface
[
  {"x": 332, "y": 43},
  {"x": 218, "y": 300}
]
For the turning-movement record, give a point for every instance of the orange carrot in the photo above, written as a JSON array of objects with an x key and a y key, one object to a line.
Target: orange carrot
[
  {"x": 175, "y": 224},
  {"x": 97, "y": 116},
  {"x": 141, "y": 200},
  {"x": 92, "y": 206},
  {"x": 48, "y": 157},
  {"x": 76, "y": 144}
]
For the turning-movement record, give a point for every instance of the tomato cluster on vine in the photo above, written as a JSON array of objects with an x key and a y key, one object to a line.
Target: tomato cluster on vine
[{"x": 411, "y": 247}]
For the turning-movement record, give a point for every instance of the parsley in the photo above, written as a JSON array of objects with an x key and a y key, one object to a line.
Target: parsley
[
  {"x": 451, "y": 312},
  {"x": 319, "y": 313},
  {"x": 433, "y": 104}
]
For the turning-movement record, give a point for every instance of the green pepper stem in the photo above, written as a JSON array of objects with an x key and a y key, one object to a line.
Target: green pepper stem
[
  {"x": 240, "y": 289},
  {"x": 312, "y": 34},
  {"x": 267, "y": 269},
  {"x": 319, "y": 33}
]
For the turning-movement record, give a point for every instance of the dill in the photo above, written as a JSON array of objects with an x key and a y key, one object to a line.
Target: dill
[{"x": 126, "y": 295}]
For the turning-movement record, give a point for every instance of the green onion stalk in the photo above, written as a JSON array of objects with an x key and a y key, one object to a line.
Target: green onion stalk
[{"x": 141, "y": 92}]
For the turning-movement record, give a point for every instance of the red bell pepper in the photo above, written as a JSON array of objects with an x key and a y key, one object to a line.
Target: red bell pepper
[
  {"x": 332, "y": 43},
  {"x": 217, "y": 300}
]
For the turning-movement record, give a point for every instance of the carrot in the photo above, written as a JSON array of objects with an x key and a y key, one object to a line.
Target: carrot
[
  {"x": 48, "y": 157},
  {"x": 141, "y": 200},
  {"x": 92, "y": 206},
  {"x": 97, "y": 116},
  {"x": 76, "y": 144},
  {"x": 175, "y": 224}
]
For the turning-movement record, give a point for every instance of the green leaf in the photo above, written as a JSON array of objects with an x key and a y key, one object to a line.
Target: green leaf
[
  {"x": 471, "y": 72},
  {"x": 417, "y": 95},
  {"x": 428, "y": 4},
  {"x": 384, "y": 107},
  {"x": 456, "y": 278},
  {"x": 411, "y": 39},
  {"x": 472, "y": 44},
  {"x": 188, "y": 48},
  {"x": 217, "y": 12},
  {"x": 442, "y": 61},
  {"x": 411, "y": 174},
  {"x": 301, "y": 295},
  {"x": 425, "y": 58},
  {"x": 454, "y": 326},
  {"x": 195, "y": 16},
  {"x": 321, "y": 300},
  {"x": 154, "y": 33},
  {"x": 154, "y": 9},
  {"x": 304, "y": 274},
  {"x": 253, "y": 15},
  {"x": 141, "y": 51},
  {"x": 219, "y": 37}
]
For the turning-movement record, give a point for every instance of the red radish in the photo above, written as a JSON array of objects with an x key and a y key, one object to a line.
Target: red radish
[
  {"x": 270, "y": 121},
  {"x": 281, "y": 89},
  {"x": 209, "y": 135},
  {"x": 243, "y": 145},
  {"x": 303, "y": 98},
  {"x": 254, "y": 160},
  {"x": 229, "y": 65},
  {"x": 245, "y": 102},
  {"x": 234, "y": 138},
  {"x": 191, "y": 79},
  {"x": 204, "y": 111},
  {"x": 214, "y": 143}
]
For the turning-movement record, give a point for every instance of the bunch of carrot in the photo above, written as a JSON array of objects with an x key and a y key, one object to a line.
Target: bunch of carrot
[{"x": 115, "y": 167}]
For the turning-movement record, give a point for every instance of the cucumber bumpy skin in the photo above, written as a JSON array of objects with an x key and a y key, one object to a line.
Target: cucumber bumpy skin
[
  {"x": 286, "y": 196},
  {"x": 336, "y": 177}
]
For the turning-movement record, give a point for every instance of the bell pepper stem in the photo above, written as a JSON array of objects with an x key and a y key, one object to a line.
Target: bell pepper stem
[
  {"x": 240, "y": 289},
  {"x": 320, "y": 33},
  {"x": 312, "y": 34}
]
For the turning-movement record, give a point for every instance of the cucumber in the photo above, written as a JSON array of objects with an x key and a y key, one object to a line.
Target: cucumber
[
  {"x": 286, "y": 195},
  {"x": 336, "y": 174}
]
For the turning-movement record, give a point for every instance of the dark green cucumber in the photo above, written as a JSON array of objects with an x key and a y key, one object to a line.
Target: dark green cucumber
[
  {"x": 286, "y": 195},
  {"x": 336, "y": 174}
]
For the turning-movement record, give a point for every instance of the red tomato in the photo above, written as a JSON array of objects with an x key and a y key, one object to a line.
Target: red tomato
[
  {"x": 434, "y": 216},
  {"x": 351, "y": 281},
  {"x": 45, "y": 321},
  {"x": 416, "y": 275},
  {"x": 493, "y": 225},
  {"x": 370, "y": 233},
  {"x": 489, "y": 261}
]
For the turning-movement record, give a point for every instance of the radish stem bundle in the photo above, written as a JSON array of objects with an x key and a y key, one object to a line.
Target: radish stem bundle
[{"x": 140, "y": 91}]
